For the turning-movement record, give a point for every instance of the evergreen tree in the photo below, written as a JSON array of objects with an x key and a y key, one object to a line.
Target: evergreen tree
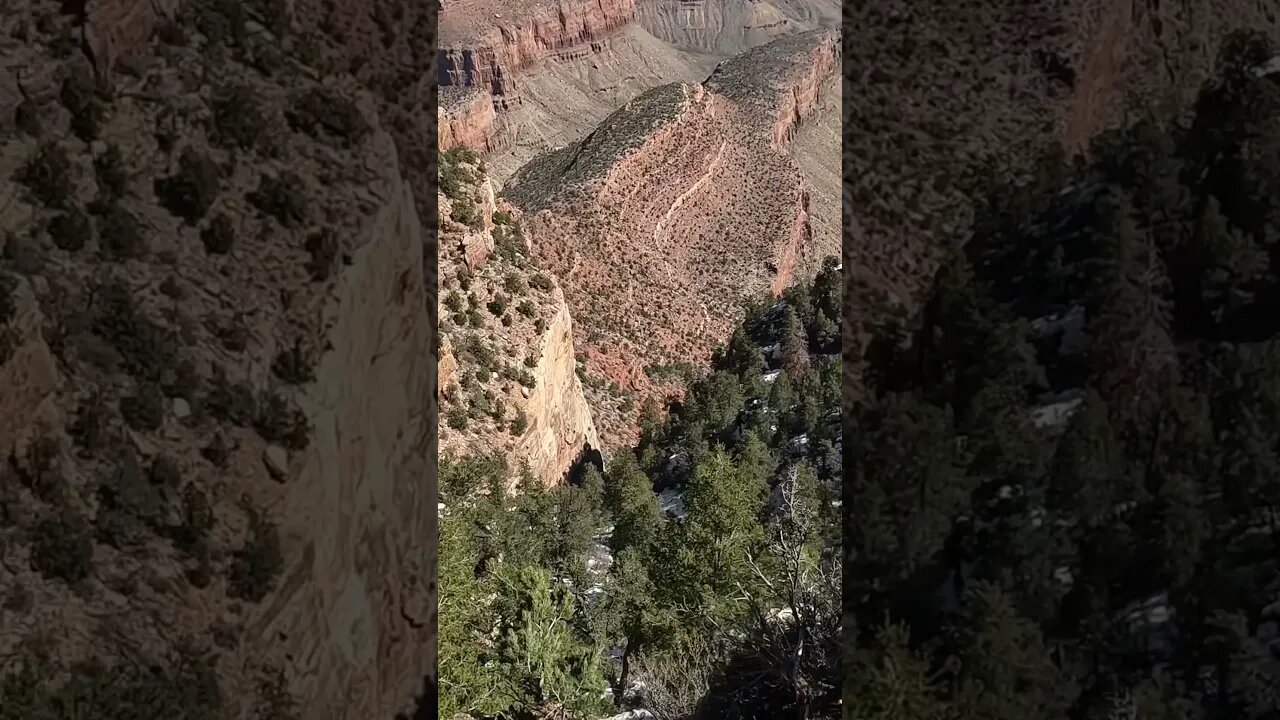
[{"x": 540, "y": 664}]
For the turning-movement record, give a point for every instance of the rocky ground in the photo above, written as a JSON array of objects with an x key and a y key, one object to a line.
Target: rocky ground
[
  {"x": 218, "y": 335},
  {"x": 683, "y": 203},
  {"x": 508, "y": 377}
]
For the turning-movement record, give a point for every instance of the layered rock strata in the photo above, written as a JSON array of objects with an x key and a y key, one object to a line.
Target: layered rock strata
[{"x": 677, "y": 208}]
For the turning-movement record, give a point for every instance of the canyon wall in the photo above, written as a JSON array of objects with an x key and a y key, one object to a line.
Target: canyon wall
[
  {"x": 722, "y": 27},
  {"x": 560, "y": 423},
  {"x": 678, "y": 207},
  {"x": 508, "y": 375},
  {"x": 466, "y": 122},
  {"x": 486, "y": 43}
]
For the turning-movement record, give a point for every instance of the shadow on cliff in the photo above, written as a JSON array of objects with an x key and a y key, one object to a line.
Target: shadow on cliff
[{"x": 587, "y": 457}]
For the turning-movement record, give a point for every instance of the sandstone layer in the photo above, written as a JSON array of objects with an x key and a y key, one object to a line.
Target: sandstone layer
[
  {"x": 466, "y": 121},
  {"x": 674, "y": 210},
  {"x": 486, "y": 43}
]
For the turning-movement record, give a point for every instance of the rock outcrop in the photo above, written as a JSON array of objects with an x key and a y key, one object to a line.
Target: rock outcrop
[
  {"x": 677, "y": 207},
  {"x": 466, "y": 120},
  {"x": 509, "y": 376},
  {"x": 486, "y": 43}
]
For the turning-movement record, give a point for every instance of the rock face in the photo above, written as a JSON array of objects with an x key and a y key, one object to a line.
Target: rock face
[
  {"x": 560, "y": 423},
  {"x": 508, "y": 365},
  {"x": 357, "y": 520},
  {"x": 486, "y": 43},
  {"x": 681, "y": 204},
  {"x": 466, "y": 121}
]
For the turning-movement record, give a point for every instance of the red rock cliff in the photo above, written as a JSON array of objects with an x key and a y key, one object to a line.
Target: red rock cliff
[
  {"x": 675, "y": 208},
  {"x": 485, "y": 43}
]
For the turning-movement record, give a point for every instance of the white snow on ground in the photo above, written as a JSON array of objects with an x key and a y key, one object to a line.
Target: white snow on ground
[
  {"x": 633, "y": 715},
  {"x": 671, "y": 503},
  {"x": 1055, "y": 415}
]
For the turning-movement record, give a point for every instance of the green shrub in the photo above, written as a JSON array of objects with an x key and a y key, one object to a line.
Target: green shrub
[
  {"x": 88, "y": 430},
  {"x": 47, "y": 176},
  {"x": 128, "y": 504},
  {"x": 475, "y": 319},
  {"x": 464, "y": 210},
  {"x": 282, "y": 197},
  {"x": 238, "y": 120},
  {"x": 464, "y": 277},
  {"x": 540, "y": 325},
  {"x": 520, "y": 423},
  {"x": 165, "y": 472},
  {"x": 27, "y": 117},
  {"x": 498, "y": 305},
  {"x": 180, "y": 688},
  {"x": 322, "y": 109},
  {"x": 232, "y": 402},
  {"x": 258, "y": 563},
  {"x": 190, "y": 192},
  {"x": 110, "y": 171},
  {"x": 218, "y": 451},
  {"x": 457, "y": 419},
  {"x": 197, "y": 520},
  {"x": 281, "y": 423},
  {"x": 144, "y": 411},
  {"x": 483, "y": 375},
  {"x": 293, "y": 366},
  {"x": 63, "y": 546},
  {"x": 70, "y": 230},
  {"x": 323, "y": 247},
  {"x": 147, "y": 348},
  {"x": 119, "y": 232},
  {"x": 502, "y": 217},
  {"x": 219, "y": 236},
  {"x": 542, "y": 282},
  {"x": 79, "y": 96},
  {"x": 453, "y": 301}
]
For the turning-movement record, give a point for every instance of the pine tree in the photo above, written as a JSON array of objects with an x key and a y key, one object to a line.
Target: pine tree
[{"x": 539, "y": 662}]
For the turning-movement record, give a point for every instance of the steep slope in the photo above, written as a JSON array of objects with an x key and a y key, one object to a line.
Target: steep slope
[
  {"x": 677, "y": 206},
  {"x": 942, "y": 108},
  {"x": 215, "y": 399},
  {"x": 508, "y": 378}
]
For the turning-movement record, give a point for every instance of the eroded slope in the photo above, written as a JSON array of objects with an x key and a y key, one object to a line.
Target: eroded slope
[
  {"x": 680, "y": 204},
  {"x": 507, "y": 376},
  {"x": 219, "y": 334}
]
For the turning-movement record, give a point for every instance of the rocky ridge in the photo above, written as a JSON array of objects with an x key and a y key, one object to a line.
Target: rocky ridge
[
  {"x": 554, "y": 70},
  {"x": 679, "y": 205}
]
